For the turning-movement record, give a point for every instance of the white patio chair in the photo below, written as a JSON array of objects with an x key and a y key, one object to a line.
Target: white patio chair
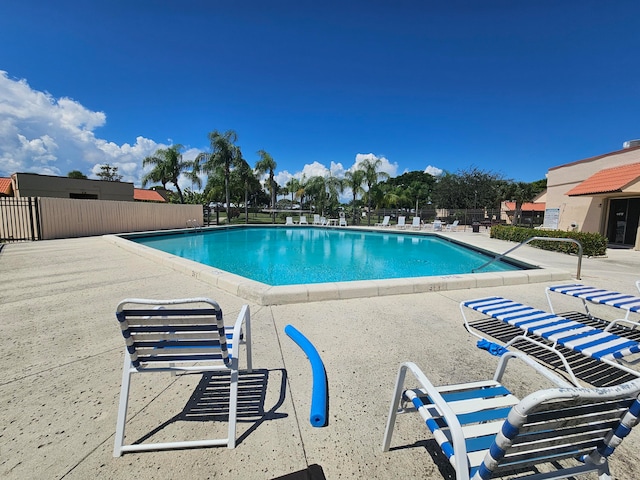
[
  {"x": 485, "y": 431},
  {"x": 452, "y": 227},
  {"x": 401, "y": 222},
  {"x": 415, "y": 224},
  {"x": 182, "y": 335},
  {"x": 303, "y": 220},
  {"x": 385, "y": 221},
  {"x": 289, "y": 221}
]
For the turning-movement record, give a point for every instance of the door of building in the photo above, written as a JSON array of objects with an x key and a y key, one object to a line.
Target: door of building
[{"x": 624, "y": 215}]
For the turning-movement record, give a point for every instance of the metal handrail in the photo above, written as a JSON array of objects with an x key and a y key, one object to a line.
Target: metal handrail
[{"x": 572, "y": 240}]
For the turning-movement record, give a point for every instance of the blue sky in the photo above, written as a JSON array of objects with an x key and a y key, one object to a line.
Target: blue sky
[{"x": 507, "y": 86}]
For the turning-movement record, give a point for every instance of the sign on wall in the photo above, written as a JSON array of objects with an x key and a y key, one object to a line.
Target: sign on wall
[{"x": 551, "y": 218}]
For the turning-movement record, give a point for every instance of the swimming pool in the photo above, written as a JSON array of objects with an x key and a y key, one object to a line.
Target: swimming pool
[
  {"x": 280, "y": 256},
  {"x": 263, "y": 294}
]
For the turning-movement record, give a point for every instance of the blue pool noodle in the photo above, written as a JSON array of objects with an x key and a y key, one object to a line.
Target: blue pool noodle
[{"x": 318, "y": 413}]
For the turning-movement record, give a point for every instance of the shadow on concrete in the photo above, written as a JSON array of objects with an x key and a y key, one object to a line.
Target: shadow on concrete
[
  {"x": 210, "y": 401},
  {"x": 312, "y": 472}
]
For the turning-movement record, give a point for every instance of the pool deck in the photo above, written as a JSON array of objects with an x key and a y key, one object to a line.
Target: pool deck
[{"x": 62, "y": 363}]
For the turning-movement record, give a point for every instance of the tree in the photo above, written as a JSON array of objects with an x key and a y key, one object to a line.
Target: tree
[
  {"x": 371, "y": 177},
  {"x": 354, "y": 180},
  {"x": 470, "y": 189},
  {"x": 224, "y": 154},
  {"x": 293, "y": 185},
  {"x": 76, "y": 174},
  {"x": 167, "y": 168},
  {"x": 109, "y": 173},
  {"x": 267, "y": 164},
  {"x": 249, "y": 182}
]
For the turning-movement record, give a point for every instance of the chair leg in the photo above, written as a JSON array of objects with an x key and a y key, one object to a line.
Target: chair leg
[
  {"x": 233, "y": 407},
  {"x": 393, "y": 409},
  {"x": 122, "y": 408}
]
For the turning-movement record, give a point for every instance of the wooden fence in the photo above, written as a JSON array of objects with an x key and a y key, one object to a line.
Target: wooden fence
[{"x": 48, "y": 218}]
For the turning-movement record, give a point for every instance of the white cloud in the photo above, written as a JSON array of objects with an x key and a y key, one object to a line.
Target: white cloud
[
  {"x": 385, "y": 165},
  {"x": 42, "y": 134},
  {"x": 435, "y": 171}
]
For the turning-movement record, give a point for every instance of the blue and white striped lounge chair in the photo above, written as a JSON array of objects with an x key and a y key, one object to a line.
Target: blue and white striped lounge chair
[
  {"x": 556, "y": 330},
  {"x": 486, "y": 431},
  {"x": 627, "y": 303},
  {"x": 182, "y": 335}
]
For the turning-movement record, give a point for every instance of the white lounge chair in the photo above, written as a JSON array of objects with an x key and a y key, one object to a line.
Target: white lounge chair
[
  {"x": 550, "y": 332},
  {"x": 182, "y": 335},
  {"x": 452, "y": 227},
  {"x": 316, "y": 219},
  {"x": 415, "y": 224},
  {"x": 437, "y": 225},
  {"x": 485, "y": 431},
  {"x": 303, "y": 220},
  {"x": 385, "y": 221},
  {"x": 289, "y": 221},
  {"x": 626, "y": 303},
  {"x": 401, "y": 223}
]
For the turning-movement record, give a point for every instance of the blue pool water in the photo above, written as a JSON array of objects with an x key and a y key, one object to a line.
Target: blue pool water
[{"x": 301, "y": 255}]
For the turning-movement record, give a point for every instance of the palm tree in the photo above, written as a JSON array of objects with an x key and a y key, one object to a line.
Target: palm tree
[
  {"x": 246, "y": 175},
  {"x": 267, "y": 164},
  {"x": 354, "y": 180},
  {"x": 224, "y": 154},
  {"x": 167, "y": 168},
  {"x": 371, "y": 177},
  {"x": 293, "y": 185}
]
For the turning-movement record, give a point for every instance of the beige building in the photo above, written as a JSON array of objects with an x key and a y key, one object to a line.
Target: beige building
[
  {"x": 599, "y": 194},
  {"x": 35, "y": 185}
]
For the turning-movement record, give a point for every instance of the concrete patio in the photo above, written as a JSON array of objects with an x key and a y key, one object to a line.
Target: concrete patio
[{"x": 62, "y": 360}]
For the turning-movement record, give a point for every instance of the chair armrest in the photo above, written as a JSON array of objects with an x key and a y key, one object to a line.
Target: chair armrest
[
  {"x": 455, "y": 429},
  {"x": 548, "y": 374},
  {"x": 244, "y": 318}
]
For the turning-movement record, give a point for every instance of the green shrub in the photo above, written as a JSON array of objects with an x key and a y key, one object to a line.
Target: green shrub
[{"x": 593, "y": 244}]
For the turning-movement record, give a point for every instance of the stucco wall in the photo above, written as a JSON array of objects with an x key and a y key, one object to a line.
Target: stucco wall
[{"x": 588, "y": 212}]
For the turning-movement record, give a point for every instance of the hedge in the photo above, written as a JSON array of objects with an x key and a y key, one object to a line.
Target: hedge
[{"x": 593, "y": 244}]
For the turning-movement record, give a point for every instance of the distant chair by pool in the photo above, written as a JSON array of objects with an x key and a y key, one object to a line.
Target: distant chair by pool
[
  {"x": 303, "y": 220},
  {"x": 437, "y": 225},
  {"x": 416, "y": 223},
  {"x": 316, "y": 219},
  {"x": 401, "y": 223},
  {"x": 343, "y": 221},
  {"x": 289, "y": 221},
  {"x": 453, "y": 227},
  {"x": 385, "y": 221}
]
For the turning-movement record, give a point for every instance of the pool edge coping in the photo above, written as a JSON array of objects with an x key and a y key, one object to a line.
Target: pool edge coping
[{"x": 263, "y": 294}]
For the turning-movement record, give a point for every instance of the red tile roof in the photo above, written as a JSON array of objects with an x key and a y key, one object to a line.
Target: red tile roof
[
  {"x": 608, "y": 180},
  {"x": 527, "y": 207},
  {"x": 147, "y": 195},
  {"x": 5, "y": 186}
]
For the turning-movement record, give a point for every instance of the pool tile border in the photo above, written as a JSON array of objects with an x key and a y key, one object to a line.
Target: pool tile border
[{"x": 262, "y": 294}]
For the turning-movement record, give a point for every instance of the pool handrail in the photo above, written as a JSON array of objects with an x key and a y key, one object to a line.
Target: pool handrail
[{"x": 531, "y": 239}]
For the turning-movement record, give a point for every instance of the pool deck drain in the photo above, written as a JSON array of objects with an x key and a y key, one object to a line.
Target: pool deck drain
[{"x": 263, "y": 294}]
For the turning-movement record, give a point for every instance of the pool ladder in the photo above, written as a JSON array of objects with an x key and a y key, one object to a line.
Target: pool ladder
[
  {"x": 193, "y": 224},
  {"x": 524, "y": 242}
]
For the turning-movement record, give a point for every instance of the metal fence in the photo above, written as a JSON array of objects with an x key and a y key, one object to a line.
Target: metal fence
[
  {"x": 19, "y": 219},
  {"x": 466, "y": 216}
]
